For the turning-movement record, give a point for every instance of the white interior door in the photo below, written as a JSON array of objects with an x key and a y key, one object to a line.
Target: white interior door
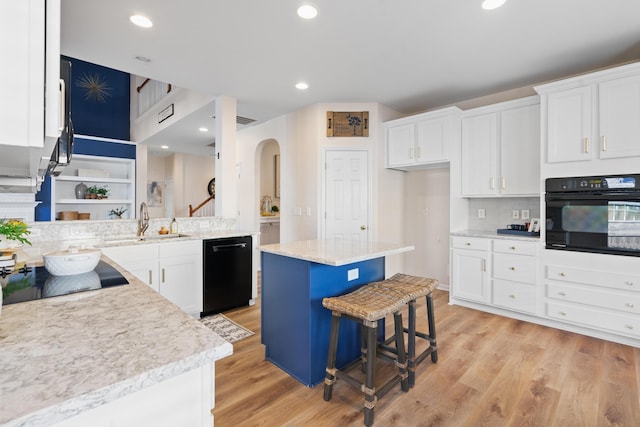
[{"x": 347, "y": 195}]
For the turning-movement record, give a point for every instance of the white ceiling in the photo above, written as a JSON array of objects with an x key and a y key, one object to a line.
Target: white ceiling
[{"x": 411, "y": 55}]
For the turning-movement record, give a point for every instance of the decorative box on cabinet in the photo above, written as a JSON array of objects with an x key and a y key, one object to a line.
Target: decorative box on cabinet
[
  {"x": 118, "y": 175},
  {"x": 592, "y": 117},
  {"x": 501, "y": 149},
  {"x": 422, "y": 140}
]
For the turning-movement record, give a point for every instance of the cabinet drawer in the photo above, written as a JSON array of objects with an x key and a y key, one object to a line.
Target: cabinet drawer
[
  {"x": 477, "y": 243},
  {"x": 621, "y": 301},
  {"x": 518, "y": 247},
  {"x": 516, "y": 268},
  {"x": 515, "y": 296},
  {"x": 595, "y": 318},
  {"x": 623, "y": 281}
]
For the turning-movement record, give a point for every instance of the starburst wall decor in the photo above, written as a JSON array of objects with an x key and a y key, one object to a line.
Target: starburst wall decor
[{"x": 95, "y": 87}]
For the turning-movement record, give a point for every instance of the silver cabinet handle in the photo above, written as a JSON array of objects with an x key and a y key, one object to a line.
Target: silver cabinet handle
[
  {"x": 628, "y": 282},
  {"x": 468, "y": 243},
  {"x": 630, "y": 327},
  {"x": 562, "y": 294},
  {"x": 513, "y": 248},
  {"x": 484, "y": 264},
  {"x": 411, "y": 153},
  {"x": 492, "y": 183},
  {"x": 586, "y": 145},
  {"x": 163, "y": 275},
  {"x": 504, "y": 183},
  {"x": 562, "y": 313},
  {"x": 630, "y": 305},
  {"x": 512, "y": 268},
  {"x": 562, "y": 274},
  {"x": 150, "y": 277},
  {"x": 603, "y": 143},
  {"x": 512, "y": 296}
]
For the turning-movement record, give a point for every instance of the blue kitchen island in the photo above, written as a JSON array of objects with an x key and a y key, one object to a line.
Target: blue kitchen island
[{"x": 295, "y": 278}]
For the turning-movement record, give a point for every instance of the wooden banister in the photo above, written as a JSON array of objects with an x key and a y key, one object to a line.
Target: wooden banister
[{"x": 193, "y": 210}]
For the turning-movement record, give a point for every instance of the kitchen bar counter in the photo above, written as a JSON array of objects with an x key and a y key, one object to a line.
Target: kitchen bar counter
[
  {"x": 295, "y": 278},
  {"x": 335, "y": 252},
  {"x": 65, "y": 355},
  {"x": 493, "y": 235}
]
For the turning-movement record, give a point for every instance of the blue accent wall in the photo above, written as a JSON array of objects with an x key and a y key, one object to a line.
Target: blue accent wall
[
  {"x": 103, "y": 148},
  {"x": 99, "y": 100},
  {"x": 43, "y": 209}
]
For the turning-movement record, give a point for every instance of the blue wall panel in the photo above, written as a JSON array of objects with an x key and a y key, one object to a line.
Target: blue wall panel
[{"x": 104, "y": 148}]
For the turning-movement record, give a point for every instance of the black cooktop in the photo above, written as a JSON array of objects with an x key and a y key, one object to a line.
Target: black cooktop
[{"x": 31, "y": 283}]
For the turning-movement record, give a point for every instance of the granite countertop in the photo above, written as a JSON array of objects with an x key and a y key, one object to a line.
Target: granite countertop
[
  {"x": 67, "y": 354},
  {"x": 335, "y": 252},
  {"x": 493, "y": 235}
]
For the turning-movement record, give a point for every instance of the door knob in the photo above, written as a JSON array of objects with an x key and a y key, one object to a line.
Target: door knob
[{"x": 363, "y": 227}]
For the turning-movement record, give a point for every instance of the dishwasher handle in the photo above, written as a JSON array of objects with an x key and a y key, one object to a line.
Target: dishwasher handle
[{"x": 220, "y": 248}]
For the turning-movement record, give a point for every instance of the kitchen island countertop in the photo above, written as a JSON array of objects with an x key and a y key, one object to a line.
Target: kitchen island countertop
[
  {"x": 64, "y": 355},
  {"x": 335, "y": 252}
]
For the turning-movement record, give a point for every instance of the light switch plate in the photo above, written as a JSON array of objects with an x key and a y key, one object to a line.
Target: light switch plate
[
  {"x": 524, "y": 214},
  {"x": 515, "y": 214},
  {"x": 481, "y": 213}
]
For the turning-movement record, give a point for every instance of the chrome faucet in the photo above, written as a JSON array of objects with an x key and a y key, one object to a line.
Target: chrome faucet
[{"x": 143, "y": 219}]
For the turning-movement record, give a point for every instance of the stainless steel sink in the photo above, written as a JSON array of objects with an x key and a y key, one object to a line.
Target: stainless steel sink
[{"x": 130, "y": 240}]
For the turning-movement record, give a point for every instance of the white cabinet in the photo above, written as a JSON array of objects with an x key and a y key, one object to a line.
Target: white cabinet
[
  {"x": 514, "y": 275},
  {"x": 115, "y": 174},
  {"x": 602, "y": 299},
  {"x": 30, "y": 44},
  {"x": 469, "y": 268},
  {"x": 501, "y": 149},
  {"x": 422, "y": 140},
  {"x": 594, "y": 117},
  {"x": 172, "y": 268}
]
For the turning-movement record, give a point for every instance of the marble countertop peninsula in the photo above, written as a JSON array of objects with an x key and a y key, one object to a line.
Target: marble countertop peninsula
[
  {"x": 493, "y": 235},
  {"x": 61, "y": 356},
  {"x": 335, "y": 252}
]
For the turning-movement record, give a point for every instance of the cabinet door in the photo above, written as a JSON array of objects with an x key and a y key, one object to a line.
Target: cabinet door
[
  {"x": 431, "y": 141},
  {"x": 619, "y": 102},
  {"x": 401, "y": 144},
  {"x": 469, "y": 275},
  {"x": 479, "y": 142},
  {"x": 139, "y": 260},
  {"x": 569, "y": 125},
  {"x": 181, "y": 274},
  {"x": 520, "y": 151}
]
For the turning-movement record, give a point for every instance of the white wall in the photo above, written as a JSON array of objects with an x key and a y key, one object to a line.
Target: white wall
[{"x": 426, "y": 219}]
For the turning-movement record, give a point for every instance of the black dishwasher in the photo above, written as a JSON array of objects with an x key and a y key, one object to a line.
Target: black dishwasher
[{"x": 227, "y": 274}]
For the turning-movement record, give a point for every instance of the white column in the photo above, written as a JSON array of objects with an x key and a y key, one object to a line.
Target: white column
[{"x": 226, "y": 182}]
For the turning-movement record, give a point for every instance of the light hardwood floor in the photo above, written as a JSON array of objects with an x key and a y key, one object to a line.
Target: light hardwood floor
[{"x": 491, "y": 371}]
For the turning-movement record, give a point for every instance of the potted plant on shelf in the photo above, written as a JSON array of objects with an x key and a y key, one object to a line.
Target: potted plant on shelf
[
  {"x": 117, "y": 213},
  {"x": 95, "y": 192}
]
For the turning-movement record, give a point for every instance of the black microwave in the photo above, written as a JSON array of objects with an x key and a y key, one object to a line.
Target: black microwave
[{"x": 598, "y": 214}]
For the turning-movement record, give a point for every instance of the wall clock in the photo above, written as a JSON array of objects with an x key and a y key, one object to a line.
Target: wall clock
[{"x": 211, "y": 187}]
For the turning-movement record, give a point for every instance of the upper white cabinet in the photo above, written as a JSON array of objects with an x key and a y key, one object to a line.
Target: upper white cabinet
[
  {"x": 592, "y": 117},
  {"x": 30, "y": 122},
  {"x": 422, "y": 140},
  {"x": 501, "y": 149}
]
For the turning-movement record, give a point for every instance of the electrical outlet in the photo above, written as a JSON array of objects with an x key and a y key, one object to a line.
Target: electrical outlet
[
  {"x": 524, "y": 214},
  {"x": 481, "y": 213},
  {"x": 515, "y": 214}
]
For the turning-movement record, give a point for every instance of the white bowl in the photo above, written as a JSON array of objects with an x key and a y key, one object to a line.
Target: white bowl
[{"x": 73, "y": 261}]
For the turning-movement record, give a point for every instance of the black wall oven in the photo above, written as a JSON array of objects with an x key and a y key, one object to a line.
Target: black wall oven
[{"x": 594, "y": 214}]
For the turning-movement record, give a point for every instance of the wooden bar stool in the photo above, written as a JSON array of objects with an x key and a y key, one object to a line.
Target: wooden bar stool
[
  {"x": 408, "y": 289},
  {"x": 366, "y": 307}
]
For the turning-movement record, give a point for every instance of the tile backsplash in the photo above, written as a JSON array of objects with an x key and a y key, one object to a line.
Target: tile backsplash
[{"x": 498, "y": 211}]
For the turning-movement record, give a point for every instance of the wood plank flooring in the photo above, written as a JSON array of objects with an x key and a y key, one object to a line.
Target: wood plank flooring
[{"x": 491, "y": 371}]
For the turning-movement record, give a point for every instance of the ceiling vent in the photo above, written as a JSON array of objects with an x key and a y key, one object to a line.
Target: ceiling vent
[{"x": 240, "y": 120}]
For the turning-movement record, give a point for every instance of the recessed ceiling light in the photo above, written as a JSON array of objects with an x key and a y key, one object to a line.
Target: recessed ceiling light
[
  {"x": 203, "y": 129},
  {"x": 164, "y": 147},
  {"x": 307, "y": 11},
  {"x": 492, "y": 4},
  {"x": 141, "y": 21},
  {"x": 302, "y": 86},
  {"x": 142, "y": 58}
]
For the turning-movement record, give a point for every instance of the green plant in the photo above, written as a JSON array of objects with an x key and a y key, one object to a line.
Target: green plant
[
  {"x": 100, "y": 191},
  {"x": 118, "y": 211},
  {"x": 274, "y": 208},
  {"x": 14, "y": 230}
]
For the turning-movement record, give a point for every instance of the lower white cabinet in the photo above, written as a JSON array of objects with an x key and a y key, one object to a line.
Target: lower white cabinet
[
  {"x": 497, "y": 272},
  {"x": 469, "y": 263},
  {"x": 172, "y": 268},
  {"x": 604, "y": 299}
]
